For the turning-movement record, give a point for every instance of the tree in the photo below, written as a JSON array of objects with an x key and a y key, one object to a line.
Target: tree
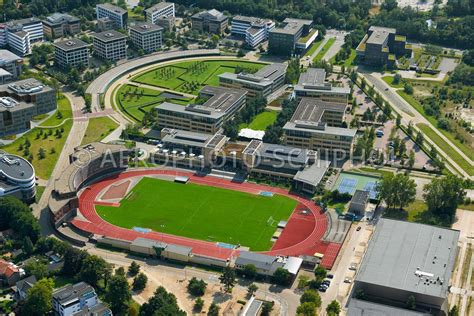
[
  {"x": 250, "y": 271},
  {"x": 39, "y": 300},
  {"x": 73, "y": 259},
  {"x": 133, "y": 269},
  {"x": 198, "y": 304},
  {"x": 252, "y": 288},
  {"x": 227, "y": 279},
  {"x": 408, "y": 88},
  {"x": 93, "y": 269},
  {"x": 419, "y": 138},
  {"x": 333, "y": 308},
  {"x": 454, "y": 311},
  {"x": 197, "y": 287},
  {"x": 28, "y": 246},
  {"x": 139, "y": 282},
  {"x": 17, "y": 215},
  {"x": 161, "y": 303},
  {"x": 398, "y": 120},
  {"x": 267, "y": 308},
  {"x": 320, "y": 273},
  {"x": 396, "y": 79},
  {"x": 37, "y": 268},
  {"x": 213, "y": 310},
  {"x": 411, "y": 159},
  {"x": 443, "y": 195},
  {"x": 118, "y": 294},
  {"x": 411, "y": 302},
  {"x": 398, "y": 190},
  {"x": 282, "y": 276},
  {"x": 311, "y": 296},
  {"x": 306, "y": 309}
]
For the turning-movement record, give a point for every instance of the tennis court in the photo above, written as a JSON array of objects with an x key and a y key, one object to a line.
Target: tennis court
[{"x": 349, "y": 182}]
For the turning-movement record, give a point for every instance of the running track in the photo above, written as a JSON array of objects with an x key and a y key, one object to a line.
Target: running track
[{"x": 302, "y": 235}]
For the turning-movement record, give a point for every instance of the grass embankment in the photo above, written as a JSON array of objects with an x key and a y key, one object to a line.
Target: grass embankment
[
  {"x": 389, "y": 81},
  {"x": 201, "y": 212},
  {"x": 261, "y": 121},
  {"x": 313, "y": 47},
  {"x": 324, "y": 50},
  {"x": 45, "y": 138},
  {"x": 349, "y": 61},
  {"x": 98, "y": 128},
  {"x": 64, "y": 112}
]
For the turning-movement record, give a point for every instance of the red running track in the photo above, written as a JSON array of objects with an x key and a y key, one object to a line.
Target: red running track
[{"x": 302, "y": 235}]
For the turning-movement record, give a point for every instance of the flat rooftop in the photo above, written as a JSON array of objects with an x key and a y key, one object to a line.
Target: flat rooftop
[
  {"x": 379, "y": 34},
  {"x": 312, "y": 109},
  {"x": 71, "y": 44},
  {"x": 15, "y": 167},
  {"x": 313, "y": 174},
  {"x": 145, "y": 27},
  {"x": 109, "y": 36},
  {"x": 112, "y": 7},
  {"x": 7, "y": 56},
  {"x": 365, "y": 308},
  {"x": 264, "y": 77},
  {"x": 411, "y": 257},
  {"x": 319, "y": 128},
  {"x": 212, "y": 14},
  {"x": 360, "y": 197},
  {"x": 28, "y": 86},
  {"x": 292, "y": 26},
  {"x": 159, "y": 6},
  {"x": 315, "y": 79},
  {"x": 186, "y": 138}
]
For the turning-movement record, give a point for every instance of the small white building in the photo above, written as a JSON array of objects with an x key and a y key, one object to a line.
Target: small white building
[{"x": 71, "y": 299}]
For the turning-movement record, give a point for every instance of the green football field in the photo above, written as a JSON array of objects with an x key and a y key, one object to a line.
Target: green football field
[{"x": 201, "y": 212}]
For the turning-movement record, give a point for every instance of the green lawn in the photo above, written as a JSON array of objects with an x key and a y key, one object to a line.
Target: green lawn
[
  {"x": 191, "y": 76},
  {"x": 313, "y": 48},
  {"x": 323, "y": 50},
  {"x": 98, "y": 128},
  {"x": 50, "y": 143},
  {"x": 431, "y": 134},
  {"x": 201, "y": 212},
  {"x": 411, "y": 213},
  {"x": 261, "y": 121},
  {"x": 39, "y": 193},
  {"x": 347, "y": 62},
  {"x": 381, "y": 172},
  {"x": 389, "y": 81},
  {"x": 63, "y": 112},
  {"x": 468, "y": 151}
]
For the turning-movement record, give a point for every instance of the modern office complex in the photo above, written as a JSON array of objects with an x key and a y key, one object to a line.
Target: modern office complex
[
  {"x": 17, "y": 177},
  {"x": 78, "y": 299},
  {"x": 406, "y": 259},
  {"x": 253, "y": 30},
  {"x": 381, "y": 46},
  {"x": 219, "y": 105},
  {"x": 71, "y": 53},
  {"x": 113, "y": 12},
  {"x": 110, "y": 45},
  {"x": 295, "y": 166},
  {"x": 262, "y": 83},
  {"x": 311, "y": 127},
  {"x": 296, "y": 36},
  {"x": 312, "y": 83},
  {"x": 19, "y": 35},
  {"x": 60, "y": 25},
  {"x": 146, "y": 36},
  {"x": 20, "y": 101},
  {"x": 159, "y": 11},
  {"x": 211, "y": 21},
  {"x": 11, "y": 65}
]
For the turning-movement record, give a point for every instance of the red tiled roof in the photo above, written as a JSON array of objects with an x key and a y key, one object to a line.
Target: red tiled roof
[{"x": 7, "y": 269}]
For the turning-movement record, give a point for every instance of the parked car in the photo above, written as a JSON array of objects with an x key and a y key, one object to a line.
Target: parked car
[
  {"x": 358, "y": 228},
  {"x": 330, "y": 276},
  {"x": 347, "y": 280}
]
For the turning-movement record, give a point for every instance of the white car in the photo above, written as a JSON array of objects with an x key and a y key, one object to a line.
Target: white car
[{"x": 347, "y": 280}]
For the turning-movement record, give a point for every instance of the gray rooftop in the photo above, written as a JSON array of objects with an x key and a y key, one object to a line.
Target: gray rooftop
[
  {"x": 263, "y": 77},
  {"x": 159, "y": 6},
  {"x": 8, "y": 56},
  {"x": 292, "y": 26},
  {"x": 70, "y": 292},
  {"x": 379, "y": 34},
  {"x": 15, "y": 167},
  {"x": 315, "y": 79},
  {"x": 285, "y": 153},
  {"x": 145, "y": 27},
  {"x": 312, "y": 109},
  {"x": 180, "y": 250},
  {"x": 319, "y": 128},
  {"x": 360, "y": 197},
  {"x": 250, "y": 20},
  {"x": 71, "y": 44},
  {"x": 260, "y": 261},
  {"x": 28, "y": 86},
  {"x": 365, "y": 308},
  {"x": 187, "y": 138},
  {"x": 109, "y": 36},
  {"x": 210, "y": 15},
  {"x": 412, "y": 257},
  {"x": 99, "y": 309},
  {"x": 149, "y": 243},
  {"x": 313, "y": 174},
  {"x": 60, "y": 18},
  {"x": 112, "y": 7}
]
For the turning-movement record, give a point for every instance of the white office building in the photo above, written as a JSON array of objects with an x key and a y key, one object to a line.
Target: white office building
[
  {"x": 19, "y": 42},
  {"x": 19, "y": 34},
  {"x": 73, "y": 299},
  {"x": 160, "y": 10},
  {"x": 254, "y": 30},
  {"x": 116, "y": 14}
]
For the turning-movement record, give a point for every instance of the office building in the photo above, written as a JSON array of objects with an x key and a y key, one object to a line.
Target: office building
[
  {"x": 61, "y": 25},
  {"x": 262, "y": 83},
  {"x": 110, "y": 45},
  {"x": 294, "y": 37},
  {"x": 20, "y": 101},
  {"x": 253, "y": 30},
  {"x": 76, "y": 299},
  {"x": 17, "y": 177},
  {"x": 33, "y": 26},
  {"x": 284, "y": 164},
  {"x": 18, "y": 35},
  {"x": 381, "y": 46},
  {"x": 312, "y": 83},
  {"x": 311, "y": 127},
  {"x": 105, "y": 24},
  {"x": 406, "y": 259},
  {"x": 71, "y": 53},
  {"x": 218, "y": 105},
  {"x": 113, "y": 12},
  {"x": 11, "y": 64},
  {"x": 159, "y": 11},
  {"x": 147, "y": 36},
  {"x": 211, "y": 21}
]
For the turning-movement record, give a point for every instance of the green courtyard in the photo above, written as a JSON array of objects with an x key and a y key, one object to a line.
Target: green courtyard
[{"x": 201, "y": 212}]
